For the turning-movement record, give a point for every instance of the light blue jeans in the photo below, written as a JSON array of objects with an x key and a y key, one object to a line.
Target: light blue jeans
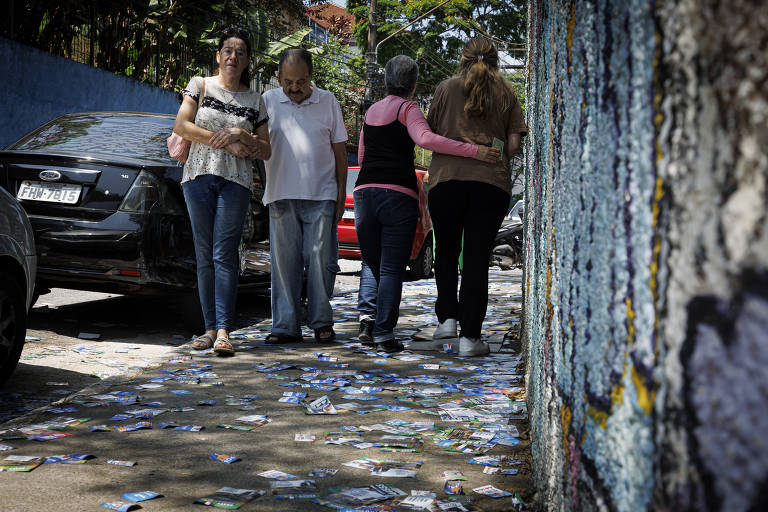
[
  {"x": 302, "y": 236},
  {"x": 217, "y": 210}
]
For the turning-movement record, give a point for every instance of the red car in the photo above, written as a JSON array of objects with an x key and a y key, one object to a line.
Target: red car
[{"x": 422, "y": 255}]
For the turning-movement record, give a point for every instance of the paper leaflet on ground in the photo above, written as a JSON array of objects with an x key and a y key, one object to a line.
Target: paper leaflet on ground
[{"x": 230, "y": 498}]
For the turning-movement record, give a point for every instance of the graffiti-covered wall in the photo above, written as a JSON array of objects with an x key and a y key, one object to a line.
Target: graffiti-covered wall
[{"x": 646, "y": 275}]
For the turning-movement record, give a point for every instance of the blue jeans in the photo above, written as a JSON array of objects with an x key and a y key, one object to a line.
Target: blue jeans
[
  {"x": 385, "y": 222},
  {"x": 217, "y": 210},
  {"x": 366, "y": 296},
  {"x": 302, "y": 235}
]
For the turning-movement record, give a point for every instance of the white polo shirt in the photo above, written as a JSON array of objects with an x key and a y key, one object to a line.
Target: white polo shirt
[{"x": 302, "y": 165}]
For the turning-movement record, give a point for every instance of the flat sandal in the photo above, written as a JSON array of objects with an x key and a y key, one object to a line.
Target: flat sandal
[
  {"x": 223, "y": 347},
  {"x": 203, "y": 342}
]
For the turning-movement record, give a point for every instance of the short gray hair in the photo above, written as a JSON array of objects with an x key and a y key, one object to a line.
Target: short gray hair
[{"x": 400, "y": 75}]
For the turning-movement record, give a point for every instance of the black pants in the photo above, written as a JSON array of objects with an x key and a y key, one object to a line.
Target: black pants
[{"x": 477, "y": 210}]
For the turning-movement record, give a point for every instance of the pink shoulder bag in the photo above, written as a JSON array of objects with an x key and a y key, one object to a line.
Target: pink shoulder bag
[{"x": 178, "y": 147}]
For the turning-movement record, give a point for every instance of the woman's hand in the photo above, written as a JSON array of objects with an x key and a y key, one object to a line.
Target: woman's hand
[
  {"x": 488, "y": 154},
  {"x": 225, "y": 137},
  {"x": 239, "y": 149}
]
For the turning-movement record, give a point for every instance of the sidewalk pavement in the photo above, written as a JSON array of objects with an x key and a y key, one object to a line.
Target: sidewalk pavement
[{"x": 383, "y": 402}]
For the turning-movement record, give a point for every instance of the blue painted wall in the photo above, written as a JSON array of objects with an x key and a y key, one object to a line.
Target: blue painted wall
[
  {"x": 646, "y": 254},
  {"x": 38, "y": 86}
]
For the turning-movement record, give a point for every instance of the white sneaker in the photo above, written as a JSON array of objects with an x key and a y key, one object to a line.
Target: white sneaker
[
  {"x": 469, "y": 347},
  {"x": 445, "y": 330}
]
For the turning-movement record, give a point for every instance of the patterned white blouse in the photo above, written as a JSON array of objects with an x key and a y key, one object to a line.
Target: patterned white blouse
[{"x": 221, "y": 109}]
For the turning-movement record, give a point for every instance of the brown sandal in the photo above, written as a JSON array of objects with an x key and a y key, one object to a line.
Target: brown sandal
[
  {"x": 203, "y": 342},
  {"x": 223, "y": 347}
]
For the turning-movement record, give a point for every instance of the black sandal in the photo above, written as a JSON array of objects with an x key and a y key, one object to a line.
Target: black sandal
[
  {"x": 325, "y": 334},
  {"x": 278, "y": 338}
]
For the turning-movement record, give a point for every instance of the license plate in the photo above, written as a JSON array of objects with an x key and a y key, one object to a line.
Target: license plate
[
  {"x": 348, "y": 214},
  {"x": 49, "y": 192}
]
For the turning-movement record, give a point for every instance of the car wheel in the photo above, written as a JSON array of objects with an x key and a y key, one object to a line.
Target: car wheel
[
  {"x": 422, "y": 266},
  {"x": 13, "y": 325}
]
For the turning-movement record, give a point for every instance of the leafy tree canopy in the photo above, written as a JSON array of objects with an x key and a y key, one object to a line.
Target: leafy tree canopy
[{"x": 436, "y": 42}]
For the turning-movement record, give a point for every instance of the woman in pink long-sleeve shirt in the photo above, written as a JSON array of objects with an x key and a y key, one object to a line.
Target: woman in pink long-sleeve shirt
[{"x": 387, "y": 198}]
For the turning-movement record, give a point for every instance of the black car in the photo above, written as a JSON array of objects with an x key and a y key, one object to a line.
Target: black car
[{"x": 106, "y": 205}]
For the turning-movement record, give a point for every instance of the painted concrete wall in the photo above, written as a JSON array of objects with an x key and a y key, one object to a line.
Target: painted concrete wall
[
  {"x": 646, "y": 276},
  {"x": 38, "y": 86}
]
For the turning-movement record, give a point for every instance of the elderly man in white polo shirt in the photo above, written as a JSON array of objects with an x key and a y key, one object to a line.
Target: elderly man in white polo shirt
[{"x": 305, "y": 191}]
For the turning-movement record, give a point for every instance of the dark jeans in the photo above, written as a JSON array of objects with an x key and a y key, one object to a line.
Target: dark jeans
[
  {"x": 475, "y": 209},
  {"x": 366, "y": 297},
  {"x": 217, "y": 210},
  {"x": 385, "y": 221}
]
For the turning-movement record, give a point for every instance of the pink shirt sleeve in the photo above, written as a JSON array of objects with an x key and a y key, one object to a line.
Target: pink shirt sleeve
[
  {"x": 422, "y": 134},
  {"x": 384, "y": 111}
]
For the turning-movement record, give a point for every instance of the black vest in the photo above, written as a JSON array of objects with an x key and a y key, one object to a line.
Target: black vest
[{"x": 388, "y": 157}]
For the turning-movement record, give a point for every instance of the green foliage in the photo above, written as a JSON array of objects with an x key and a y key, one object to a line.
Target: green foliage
[
  {"x": 341, "y": 72},
  {"x": 517, "y": 81},
  {"x": 163, "y": 42},
  {"x": 436, "y": 42}
]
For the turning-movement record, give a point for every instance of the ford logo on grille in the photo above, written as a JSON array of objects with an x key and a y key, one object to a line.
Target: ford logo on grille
[{"x": 50, "y": 175}]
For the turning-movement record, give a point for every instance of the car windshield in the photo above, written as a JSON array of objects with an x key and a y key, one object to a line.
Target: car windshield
[
  {"x": 112, "y": 135},
  {"x": 351, "y": 179}
]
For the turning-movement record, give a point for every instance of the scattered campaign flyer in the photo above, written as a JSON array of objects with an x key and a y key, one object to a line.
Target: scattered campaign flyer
[
  {"x": 236, "y": 427},
  {"x": 120, "y": 506},
  {"x": 307, "y": 438},
  {"x": 221, "y": 457},
  {"x": 294, "y": 489},
  {"x": 322, "y": 405},
  {"x": 453, "y": 474},
  {"x": 140, "y": 496},
  {"x": 120, "y": 462},
  {"x": 490, "y": 470},
  {"x": 277, "y": 475},
  {"x": 230, "y": 498},
  {"x": 72, "y": 458},
  {"x": 323, "y": 472},
  {"x": 20, "y": 463},
  {"x": 254, "y": 419},
  {"x": 493, "y": 492},
  {"x": 354, "y": 497}
]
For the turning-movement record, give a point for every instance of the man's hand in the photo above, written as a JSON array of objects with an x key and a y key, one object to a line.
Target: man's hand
[
  {"x": 340, "y": 160},
  {"x": 340, "y": 200}
]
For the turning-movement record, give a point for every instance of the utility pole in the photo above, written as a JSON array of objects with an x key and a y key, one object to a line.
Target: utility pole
[{"x": 371, "y": 66}]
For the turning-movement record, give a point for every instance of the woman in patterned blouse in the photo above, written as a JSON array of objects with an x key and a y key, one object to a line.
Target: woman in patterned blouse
[{"x": 227, "y": 132}]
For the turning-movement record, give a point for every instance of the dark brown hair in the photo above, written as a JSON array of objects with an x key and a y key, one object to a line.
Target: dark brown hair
[
  {"x": 244, "y": 36},
  {"x": 485, "y": 89}
]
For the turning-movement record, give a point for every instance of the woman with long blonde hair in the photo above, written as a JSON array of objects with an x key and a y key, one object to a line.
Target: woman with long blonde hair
[{"x": 470, "y": 197}]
